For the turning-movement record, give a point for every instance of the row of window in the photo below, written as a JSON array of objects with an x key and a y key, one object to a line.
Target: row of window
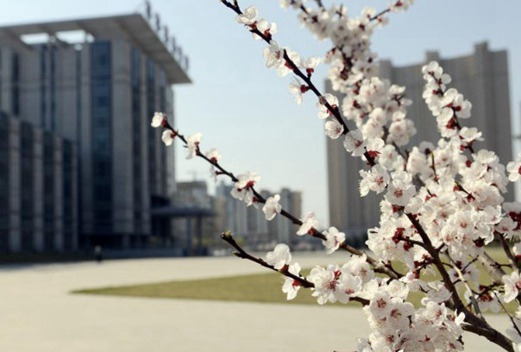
[
  {"x": 27, "y": 186},
  {"x": 137, "y": 161},
  {"x": 101, "y": 124},
  {"x": 27, "y": 191},
  {"x": 4, "y": 184},
  {"x": 47, "y": 79}
]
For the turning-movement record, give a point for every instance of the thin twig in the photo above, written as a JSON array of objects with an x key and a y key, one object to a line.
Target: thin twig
[
  {"x": 241, "y": 253},
  {"x": 507, "y": 250},
  {"x": 467, "y": 287}
]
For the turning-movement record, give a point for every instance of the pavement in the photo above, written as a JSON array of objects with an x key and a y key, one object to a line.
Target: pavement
[{"x": 38, "y": 313}]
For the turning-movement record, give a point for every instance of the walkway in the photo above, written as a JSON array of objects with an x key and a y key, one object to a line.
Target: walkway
[{"x": 37, "y": 313}]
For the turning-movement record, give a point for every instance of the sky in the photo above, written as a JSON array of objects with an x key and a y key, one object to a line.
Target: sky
[{"x": 246, "y": 111}]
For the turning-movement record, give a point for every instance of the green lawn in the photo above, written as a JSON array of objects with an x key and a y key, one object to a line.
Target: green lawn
[{"x": 264, "y": 288}]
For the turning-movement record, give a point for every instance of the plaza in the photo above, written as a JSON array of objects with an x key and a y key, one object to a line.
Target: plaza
[{"x": 39, "y": 314}]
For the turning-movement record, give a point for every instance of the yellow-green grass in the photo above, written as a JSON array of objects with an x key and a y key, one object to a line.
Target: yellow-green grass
[{"x": 262, "y": 288}]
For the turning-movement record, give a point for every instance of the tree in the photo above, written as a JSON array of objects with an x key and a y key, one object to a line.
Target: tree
[{"x": 442, "y": 203}]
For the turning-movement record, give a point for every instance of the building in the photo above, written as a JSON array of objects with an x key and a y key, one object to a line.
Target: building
[
  {"x": 250, "y": 222},
  {"x": 234, "y": 213},
  {"x": 84, "y": 91},
  {"x": 257, "y": 226},
  {"x": 281, "y": 229},
  {"x": 482, "y": 77},
  {"x": 193, "y": 219},
  {"x": 38, "y": 189}
]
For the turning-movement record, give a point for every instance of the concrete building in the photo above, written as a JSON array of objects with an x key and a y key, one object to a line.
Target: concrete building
[
  {"x": 482, "y": 77},
  {"x": 89, "y": 87}
]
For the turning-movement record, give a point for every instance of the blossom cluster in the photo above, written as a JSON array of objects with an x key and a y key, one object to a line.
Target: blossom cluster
[
  {"x": 398, "y": 326},
  {"x": 376, "y": 106},
  {"x": 280, "y": 258}
]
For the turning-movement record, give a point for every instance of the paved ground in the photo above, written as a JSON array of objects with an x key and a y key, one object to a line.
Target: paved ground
[{"x": 37, "y": 313}]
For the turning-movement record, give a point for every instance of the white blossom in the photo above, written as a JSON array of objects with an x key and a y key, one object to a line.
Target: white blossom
[
  {"x": 266, "y": 28},
  {"x": 309, "y": 223},
  {"x": 284, "y": 67},
  {"x": 242, "y": 189},
  {"x": 168, "y": 137},
  {"x": 291, "y": 286},
  {"x": 400, "y": 189},
  {"x": 273, "y": 54},
  {"x": 310, "y": 64},
  {"x": 323, "y": 110},
  {"x": 192, "y": 145},
  {"x": 375, "y": 180},
  {"x": 159, "y": 120},
  {"x": 213, "y": 155},
  {"x": 272, "y": 207},
  {"x": 293, "y": 3},
  {"x": 332, "y": 284},
  {"x": 297, "y": 89},
  {"x": 333, "y": 129},
  {"x": 514, "y": 169},
  {"x": 334, "y": 239},
  {"x": 354, "y": 143},
  {"x": 512, "y": 286},
  {"x": 248, "y": 17},
  {"x": 279, "y": 257}
]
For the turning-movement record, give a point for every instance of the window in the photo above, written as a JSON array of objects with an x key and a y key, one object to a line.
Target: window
[
  {"x": 27, "y": 185},
  {"x": 15, "y": 85},
  {"x": 137, "y": 161}
]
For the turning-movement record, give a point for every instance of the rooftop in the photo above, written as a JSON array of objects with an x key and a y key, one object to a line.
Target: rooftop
[{"x": 153, "y": 42}]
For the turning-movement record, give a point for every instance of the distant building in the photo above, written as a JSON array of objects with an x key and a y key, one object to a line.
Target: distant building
[
  {"x": 234, "y": 215},
  {"x": 192, "y": 193},
  {"x": 283, "y": 230},
  {"x": 258, "y": 227},
  {"x": 195, "y": 230},
  {"x": 250, "y": 222},
  {"x": 481, "y": 77},
  {"x": 78, "y": 96}
]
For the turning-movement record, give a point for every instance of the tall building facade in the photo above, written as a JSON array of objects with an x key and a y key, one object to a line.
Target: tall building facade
[
  {"x": 79, "y": 96},
  {"x": 482, "y": 77}
]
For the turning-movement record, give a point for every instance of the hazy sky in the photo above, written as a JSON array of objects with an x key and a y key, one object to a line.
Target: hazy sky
[{"x": 246, "y": 111}]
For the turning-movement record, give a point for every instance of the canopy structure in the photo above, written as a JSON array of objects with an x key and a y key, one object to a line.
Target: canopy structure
[
  {"x": 189, "y": 213},
  {"x": 154, "y": 42}
]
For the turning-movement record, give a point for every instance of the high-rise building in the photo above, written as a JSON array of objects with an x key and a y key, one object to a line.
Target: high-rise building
[
  {"x": 283, "y": 230},
  {"x": 79, "y": 96},
  {"x": 482, "y": 77}
]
